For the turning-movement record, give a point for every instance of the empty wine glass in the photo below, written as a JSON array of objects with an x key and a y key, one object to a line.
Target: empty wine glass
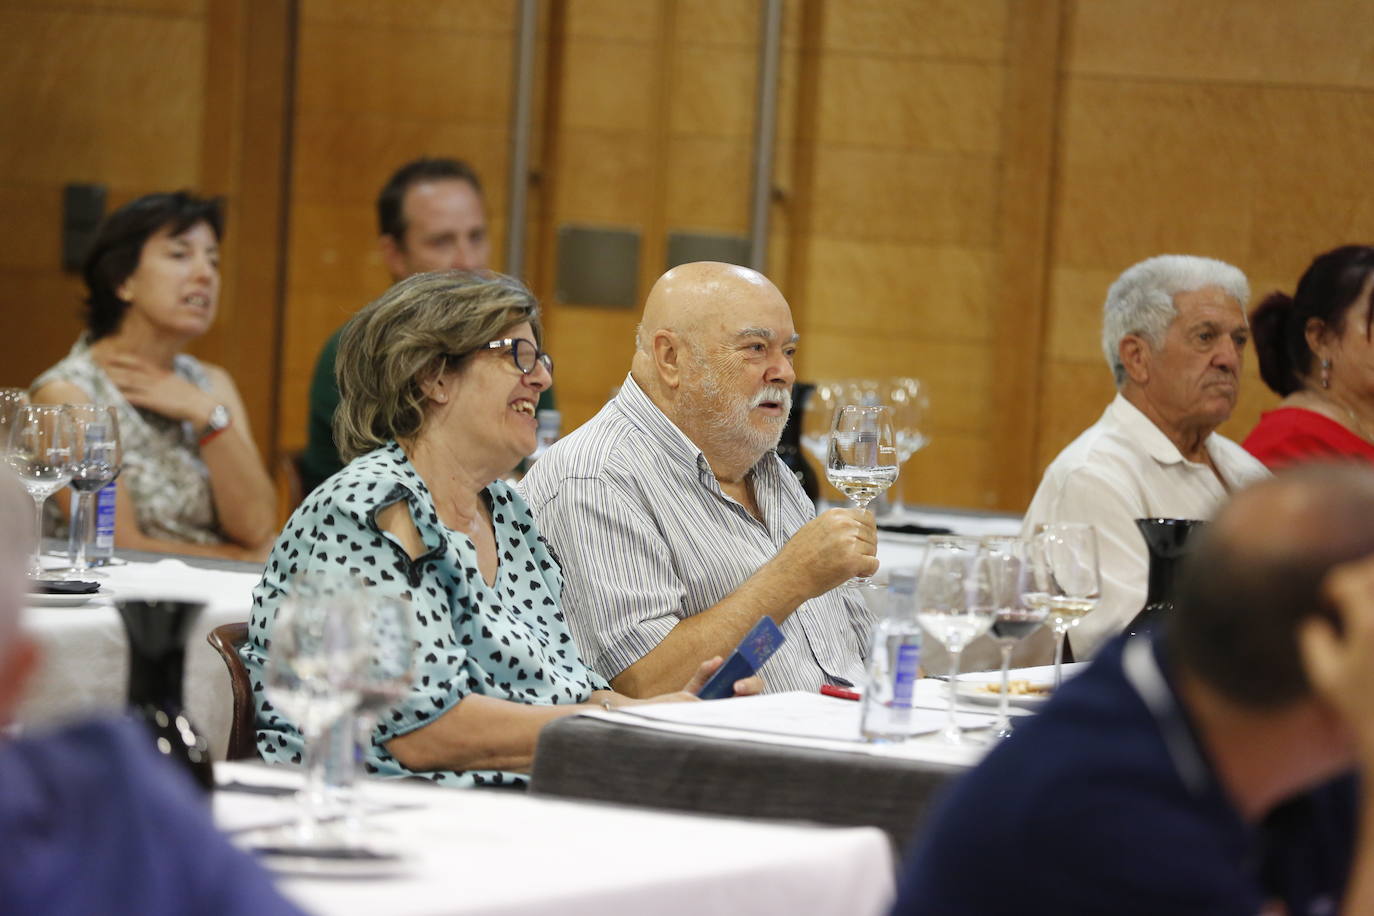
[
  {"x": 318, "y": 648},
  {"x": 383, "y": 682},
  {"x": 96, "y": 460},
  {"x": 910, "y": 405},
  {"x": 40, "y": 452},
  {"x": 951, "y": 610},
  {"x": 11, "y": 399},
  {"x": 1067, "y": 582},
  {"x": 1002, "y": 577},
  {"x": 862, "y": 459}
]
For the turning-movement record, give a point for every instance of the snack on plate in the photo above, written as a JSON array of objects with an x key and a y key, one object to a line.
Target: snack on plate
[{"x": 1020, "y": 688}]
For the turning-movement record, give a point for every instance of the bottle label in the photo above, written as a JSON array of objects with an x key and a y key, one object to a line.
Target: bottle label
[
  {"x": 904, "y": 678},
  {"x": 103, "y": 545}
]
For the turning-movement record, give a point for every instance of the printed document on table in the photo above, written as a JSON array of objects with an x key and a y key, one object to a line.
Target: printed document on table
[{"x": 796, "y": 714}]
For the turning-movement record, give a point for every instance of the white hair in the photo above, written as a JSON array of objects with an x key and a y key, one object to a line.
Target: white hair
[{"x": 1141, "y": 301}]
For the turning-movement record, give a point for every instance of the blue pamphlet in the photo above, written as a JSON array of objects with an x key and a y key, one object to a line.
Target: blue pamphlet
[{"x": 758, "y": 644}]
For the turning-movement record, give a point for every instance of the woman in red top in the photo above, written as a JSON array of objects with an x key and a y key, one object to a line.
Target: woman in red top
[{"x": 1315, "y": 349}]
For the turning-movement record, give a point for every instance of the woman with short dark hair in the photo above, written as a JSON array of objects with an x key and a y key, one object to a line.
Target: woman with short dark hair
[
  {"x": 1315, "y": 349},
  {"x": 439, "y": 379},
  {"x": 193, "y": 481}
]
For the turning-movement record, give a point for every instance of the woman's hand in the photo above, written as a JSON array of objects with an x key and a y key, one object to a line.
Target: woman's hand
[
  {"x": 159, "y": 390},
  {"x": 743, "y": 687}
]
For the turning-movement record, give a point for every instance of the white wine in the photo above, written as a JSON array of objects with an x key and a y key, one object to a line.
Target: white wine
[
  {"x": 862, "y": 484},
  {"x": 1071, "y": 608}
]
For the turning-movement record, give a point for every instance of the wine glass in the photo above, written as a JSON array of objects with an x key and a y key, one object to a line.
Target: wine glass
[
  {"x": 818, "y": 414},
  {"x": 1002, "y": 577},
  {"x": 40, "y": 452},
  {"x": 97, "y": 458},
  {"x": 383, "y": 682},
  {"x": 11, "y": 399},
  {"x": 951, "y": 610},
  {"x": 910, "y": 404},
  {"x": 862, "y": 459},
  {"x": 319, "y": 647},
  {"x": 1067, "y": 582}
]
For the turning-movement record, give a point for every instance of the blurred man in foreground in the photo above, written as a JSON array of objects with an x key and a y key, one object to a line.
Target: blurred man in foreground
[
  {"x": 1173, "y": 332},
  {"x": 1207, "y": 770},
  {"x": 430, "y": 216},
  {"x": 92, "y": 818},
  {"x": 678, "y": 526}
]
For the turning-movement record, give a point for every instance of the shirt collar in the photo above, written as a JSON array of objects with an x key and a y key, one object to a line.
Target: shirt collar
[{"x": 1151, "y": 438}]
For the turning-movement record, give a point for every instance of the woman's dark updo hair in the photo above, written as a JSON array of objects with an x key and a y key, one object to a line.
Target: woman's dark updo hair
[
  {"x": 1327, "y": 291},
  {"x": 119, "y": 244}
]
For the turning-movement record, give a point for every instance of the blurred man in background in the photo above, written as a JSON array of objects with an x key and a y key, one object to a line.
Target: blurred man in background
[
  {"x": 1204, "y": 771},
  {"x": 430, "y": 216}
]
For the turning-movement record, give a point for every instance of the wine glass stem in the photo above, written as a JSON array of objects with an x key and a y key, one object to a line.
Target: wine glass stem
[
  {"x": 952, "y": 726},
  {"x": 81, "y": 520},
  {"x": 35, "y": 561},
  {"x": 1060, "y": 634},
  {"x": 1004, "y": 704}
]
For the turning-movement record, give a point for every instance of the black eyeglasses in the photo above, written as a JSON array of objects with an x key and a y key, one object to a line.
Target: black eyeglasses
[{"x": 523, "y": 353}]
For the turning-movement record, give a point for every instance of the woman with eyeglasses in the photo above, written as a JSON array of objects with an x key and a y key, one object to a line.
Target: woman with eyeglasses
[{"x": 439, "y": 379}]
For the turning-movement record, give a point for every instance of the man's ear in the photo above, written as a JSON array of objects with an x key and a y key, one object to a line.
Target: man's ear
[
  {"x": 1136, "y": 356},
  {"x": 668, "y": 357},
  {"x": 393, "y": 256}
]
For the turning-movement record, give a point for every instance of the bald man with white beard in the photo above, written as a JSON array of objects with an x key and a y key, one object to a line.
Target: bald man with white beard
[{"x": 677, "y": 525}]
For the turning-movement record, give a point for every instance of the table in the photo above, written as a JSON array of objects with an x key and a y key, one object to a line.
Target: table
[
  {"x": 503, "y": 852},
  {"x": 615, "y": 757},
  {"x": 84, "y": 667}
]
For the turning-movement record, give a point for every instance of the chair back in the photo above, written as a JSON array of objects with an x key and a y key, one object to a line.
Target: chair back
[{"x": 243, "y": 728}]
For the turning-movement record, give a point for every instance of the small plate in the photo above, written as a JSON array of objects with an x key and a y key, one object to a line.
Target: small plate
[
  {"x": 978, "y": 692},
  {"x": 47, "y": 599}
]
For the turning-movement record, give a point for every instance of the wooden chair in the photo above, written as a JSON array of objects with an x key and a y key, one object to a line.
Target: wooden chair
[{"x": 243, "y": 729}]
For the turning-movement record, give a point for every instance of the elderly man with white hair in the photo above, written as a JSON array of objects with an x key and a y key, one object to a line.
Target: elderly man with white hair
[
  {"x": 1174, "y": 333},
  {"x": 677, "y": 525}
]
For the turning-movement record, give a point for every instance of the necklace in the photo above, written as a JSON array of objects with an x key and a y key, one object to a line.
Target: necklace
[{"x": 1355, "y": 426}]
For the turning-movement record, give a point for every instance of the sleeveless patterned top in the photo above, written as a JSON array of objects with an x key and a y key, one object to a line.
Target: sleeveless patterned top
[{"x": 163, "y": 474}]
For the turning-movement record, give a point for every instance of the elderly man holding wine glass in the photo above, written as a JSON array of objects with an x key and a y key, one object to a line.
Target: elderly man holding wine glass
[
  {"x": 1174, "y": 334},
  {"x": 678, "y": 525}
]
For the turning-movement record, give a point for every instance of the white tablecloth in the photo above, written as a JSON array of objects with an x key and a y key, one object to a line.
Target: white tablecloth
[
  {"x": 500, "y": 852},
  {"x": 85, "y": 664}
]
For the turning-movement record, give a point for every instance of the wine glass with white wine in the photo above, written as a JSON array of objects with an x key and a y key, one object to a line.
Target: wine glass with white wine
[
  {"x": 862, "y": 459},
  {"x": 1064, "y": 562}
]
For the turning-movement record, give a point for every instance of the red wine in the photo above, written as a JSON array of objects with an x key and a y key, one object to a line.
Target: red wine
[{"x": 1015, "y": 626}]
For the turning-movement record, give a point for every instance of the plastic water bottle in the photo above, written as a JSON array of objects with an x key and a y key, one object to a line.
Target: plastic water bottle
[
  {"x": 101, "y": 547},
  {"x": 547, "y": 434},
  {"x": 893, "y": 662}
]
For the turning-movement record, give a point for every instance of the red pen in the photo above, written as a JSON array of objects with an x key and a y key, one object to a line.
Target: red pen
[{"x": 831, "y": 690}]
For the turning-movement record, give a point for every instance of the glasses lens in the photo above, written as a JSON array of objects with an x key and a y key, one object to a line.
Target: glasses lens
[
  {"x": 523, "y": 352},
  {"x": 547, "y": 360}
]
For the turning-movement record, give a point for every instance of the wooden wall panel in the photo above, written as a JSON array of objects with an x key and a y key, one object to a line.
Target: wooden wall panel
[
  {"x": 378, "y": 84},
  {"x": 71, "y": 77}
]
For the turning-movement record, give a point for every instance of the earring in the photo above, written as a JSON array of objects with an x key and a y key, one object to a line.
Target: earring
[{"x": 1326, "y": 373}]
